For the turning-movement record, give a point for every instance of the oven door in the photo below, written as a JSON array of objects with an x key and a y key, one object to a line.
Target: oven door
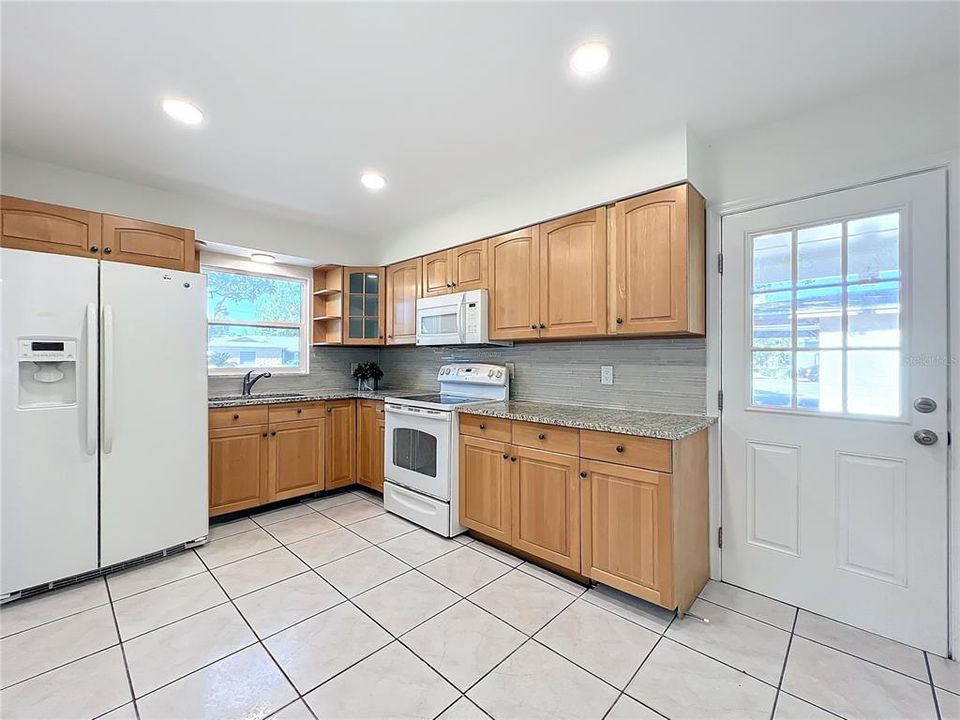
[
  {"x": 440, "y": 321},
  {"x": 417, "y": 449}
]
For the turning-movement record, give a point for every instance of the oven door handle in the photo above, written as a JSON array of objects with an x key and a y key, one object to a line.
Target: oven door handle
[{"x": 424, "y": 414}]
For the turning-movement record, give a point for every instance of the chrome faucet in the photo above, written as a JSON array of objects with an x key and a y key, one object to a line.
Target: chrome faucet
[{"x": 249, "y": 379}]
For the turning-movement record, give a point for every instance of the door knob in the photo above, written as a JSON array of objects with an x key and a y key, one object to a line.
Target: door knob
[
  {"x": 926, "y": 437},
  {"x": 924, "y": 405}
]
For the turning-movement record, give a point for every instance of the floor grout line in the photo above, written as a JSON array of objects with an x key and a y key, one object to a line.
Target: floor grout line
[
  {"x": 933, "y": 687},
  {"x": 783, "y": 668},
  {"x": 123, "y": 654}
]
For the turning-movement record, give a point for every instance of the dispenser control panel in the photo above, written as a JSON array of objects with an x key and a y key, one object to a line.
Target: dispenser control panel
[{"x": 46, "y": 350}]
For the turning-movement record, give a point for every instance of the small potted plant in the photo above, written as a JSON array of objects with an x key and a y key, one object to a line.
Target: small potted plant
[{"x": 367, "y": 375}]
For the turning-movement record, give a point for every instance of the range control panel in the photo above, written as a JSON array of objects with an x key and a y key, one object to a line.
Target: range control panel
[
  {"x": 478, "y": 373},
  {"x": 46, "y": 350}
]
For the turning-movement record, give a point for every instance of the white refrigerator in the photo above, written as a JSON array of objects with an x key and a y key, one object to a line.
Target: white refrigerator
[{"x": 103, "y": 415}]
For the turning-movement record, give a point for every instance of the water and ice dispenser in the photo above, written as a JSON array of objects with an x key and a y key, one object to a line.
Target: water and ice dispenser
[{"x": 48, "y": 372}]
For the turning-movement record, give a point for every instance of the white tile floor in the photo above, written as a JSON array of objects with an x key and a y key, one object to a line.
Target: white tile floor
[{"x": 332, "y": 609}]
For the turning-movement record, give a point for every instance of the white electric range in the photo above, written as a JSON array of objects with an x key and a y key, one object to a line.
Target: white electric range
[{"x": 421, "y": 445}]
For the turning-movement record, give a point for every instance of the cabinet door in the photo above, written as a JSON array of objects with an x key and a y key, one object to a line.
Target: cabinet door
[
  {"x": 29, "y": 225},
  {"x": 546, "y": 506},
  {"x": 341, "y": 443},
  {"x": 363, "y": 308},
  {"x": 296, "y": 459},
  {"x": 238, "y": 468},
  {"x": 369, "y": 459},
  {"x": 658, "y": 263},
  {"x": 403, "y": 289},
  {"x": 380, "y": 460},
  {"x": 573, "y": 275},
  {"x": 485, "y": 486},
  {"x": 436, "y": 274},
  {"x": 146, "y": 243},
  {"x": 626, "y": 517},
  {"x": 468, "y": 266},
  {"x": 514, "y": 261}
]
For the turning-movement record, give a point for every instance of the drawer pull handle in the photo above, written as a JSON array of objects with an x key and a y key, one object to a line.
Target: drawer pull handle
[
  {"x": 583, "y": 473},
  {"x": 236, "y": 416},
  {"x": 542, "y": 436},
  {"x": 620, "y": 448},
  {"x": 299, "y": 410},
  {"x": 483, "y": 426}
]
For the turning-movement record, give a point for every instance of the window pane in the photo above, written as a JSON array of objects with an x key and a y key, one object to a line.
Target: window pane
[
  {"x": 818, "y": 255},
  {"x": 820, "y": 317},
  {"x": 873, "y": 248},
  {"x": 373, "y": 283},
  {"x": 873, "y": 315},
  {"x": 371, "y": 328},
  {"x": 771, "y": 262},
  {"x": 372, "y": 306},
  {"x": 251, "y": 298},
  {"x": 772, "y": 379},
  {"x": 772, "y": 314},
  {"x": 820, "y": 380},
  {"x": 356, "y": 305},
  {"x": 239, "y": 346},
  {"x": 873, "y": 382},
  {"x": 356, "y": 328},
  {"x": 356, "y": 282}
]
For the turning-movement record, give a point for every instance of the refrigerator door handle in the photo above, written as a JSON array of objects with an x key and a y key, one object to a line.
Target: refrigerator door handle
[
  {"x": 106, "y": 402},
  {"x": 91, "y": 419}
]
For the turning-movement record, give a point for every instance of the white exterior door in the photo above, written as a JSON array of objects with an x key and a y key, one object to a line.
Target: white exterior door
[
  {"x": 834, "y": 425},
  {"x": 153, "y": 465}
]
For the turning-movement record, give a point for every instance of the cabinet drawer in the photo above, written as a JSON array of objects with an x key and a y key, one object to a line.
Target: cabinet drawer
[
  {"x": 485, "y": 427},
  {"x": 547, "y": 437},
  {"x": 236, "y": 416},
  {"x": 296, "y": 411},
  {"x": 630, "y": 450}
]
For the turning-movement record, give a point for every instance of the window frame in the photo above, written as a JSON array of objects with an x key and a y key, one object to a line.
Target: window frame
[{"x": 304, "y": 325}]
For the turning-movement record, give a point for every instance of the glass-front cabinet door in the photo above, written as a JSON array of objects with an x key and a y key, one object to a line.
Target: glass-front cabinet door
[{"x": 364, "y": 306}]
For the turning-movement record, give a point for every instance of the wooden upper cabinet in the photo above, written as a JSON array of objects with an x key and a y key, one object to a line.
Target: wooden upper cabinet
[
  {"x": 657, "y": 260},
  {"x": 627, "y": 539},
  {"x": 341, "y": 432},
  {"x": 296, "y": 458},
  {"x": 546, "y": 506},
  {"x": 403, "y": 289},
  {"x": 363, "y": 306},
  {"x": 436, "y": 274},
  {"x": 146, "y": 243},
  {"x": 30, "y": 225},
  {"x": 514, "y": 277},
  {"x": 573, "y": 275},
  {"x": 238, "y": 458},
  {"x": 468, "y": 266},
  {"x": 485, "y": 495}
]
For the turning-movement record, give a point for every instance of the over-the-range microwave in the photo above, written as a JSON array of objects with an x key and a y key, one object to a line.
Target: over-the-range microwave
[{"x": 454, "y": 319}]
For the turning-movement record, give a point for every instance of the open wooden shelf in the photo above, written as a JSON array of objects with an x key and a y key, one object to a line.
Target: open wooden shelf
[
  {"x": 326, "y": 291},
  {"x": 328, "y": 305}
]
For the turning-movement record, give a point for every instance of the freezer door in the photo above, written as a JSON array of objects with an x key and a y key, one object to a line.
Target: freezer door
[
  {"x": 48, "y": 423},
  {"x": 153, "y": 468}
]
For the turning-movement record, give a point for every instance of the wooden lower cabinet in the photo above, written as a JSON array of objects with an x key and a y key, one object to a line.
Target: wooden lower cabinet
[
  {"x": 238, "y": 459},
  {"x": 370, "y": 432},
  {"x": 297, "y": 451},
  {"x": 341, "y": 463},
  {"x": 485, "y": 487},
  {"x": 546, "y": 506}
]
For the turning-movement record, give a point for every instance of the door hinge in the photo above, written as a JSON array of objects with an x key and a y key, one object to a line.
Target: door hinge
[
  {"x": 719, "y": 399},
  {"x": 720, "y": 263},
  {"x": 720, "y": 537}
]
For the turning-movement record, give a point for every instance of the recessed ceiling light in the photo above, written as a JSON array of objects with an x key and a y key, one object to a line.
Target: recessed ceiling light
[
  {"x": 590, "y": 58},
  {"x": 373, "y": 181},
  {"x": 263, "y": 258},
  {"x": 182, "y": 111}
]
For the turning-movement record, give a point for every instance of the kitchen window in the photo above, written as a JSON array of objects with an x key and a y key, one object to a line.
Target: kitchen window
[{"x": 256, "y": 321}]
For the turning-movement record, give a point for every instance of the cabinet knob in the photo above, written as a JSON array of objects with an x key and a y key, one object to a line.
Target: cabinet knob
[
  {"x": 483, "y": 426},
  {"x": 390, "y": 337},
  {"x": 619, "y": 321},
  {"x": 236, "y": 416},
  {"x": 542, "y": 326},
  {"x": 513, "y": 458},
  {"x": 620, "y": 448},
  {"x": 274, "y": 432},
  {"x": 583, "y": 473},
  {"x": 506, "y": 456},
  {"x": 299, "y": 411},
  {"x": 265, "y": 434},
  {"x": 533, "y": 327},
  {"x": 453, "y": 284},
  {"x": 542, "y": 436},
  {"x": 107, "y": 251},
  {"x": 329, "y": 410},
  {"x": 94, "y": 248}
]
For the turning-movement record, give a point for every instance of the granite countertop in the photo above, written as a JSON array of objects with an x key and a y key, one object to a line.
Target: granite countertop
[
  {"x": 666, "y": 426},
  {"x": 295, "y": 396}
]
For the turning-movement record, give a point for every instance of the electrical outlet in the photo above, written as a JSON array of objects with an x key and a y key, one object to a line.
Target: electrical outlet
[{"x": 606, "y": 374}]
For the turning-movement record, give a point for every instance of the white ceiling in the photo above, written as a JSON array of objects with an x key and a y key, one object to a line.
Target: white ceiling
[{"x": 453, "y": 102}]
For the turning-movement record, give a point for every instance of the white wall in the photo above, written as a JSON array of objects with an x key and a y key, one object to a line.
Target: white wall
[
  {"x": 214, "y": 222},
  {"x": 660, "y": 160}
]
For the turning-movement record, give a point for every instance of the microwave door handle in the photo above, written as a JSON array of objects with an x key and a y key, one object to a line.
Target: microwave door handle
[{"x": 461, "y": 320}]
